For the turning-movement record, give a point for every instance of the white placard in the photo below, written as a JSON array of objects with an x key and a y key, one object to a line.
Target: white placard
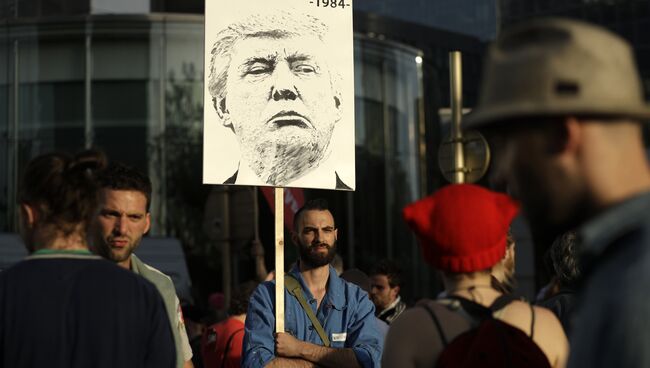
[{"x": 279, "y": 93}]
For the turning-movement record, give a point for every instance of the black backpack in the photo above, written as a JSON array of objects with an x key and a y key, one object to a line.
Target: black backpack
[{"x": 492, "y": 343}]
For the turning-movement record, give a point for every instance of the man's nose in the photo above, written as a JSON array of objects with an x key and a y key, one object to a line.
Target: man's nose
[
  {"x": 283, "y": 86},
  {"x": 120, "y": 226}
]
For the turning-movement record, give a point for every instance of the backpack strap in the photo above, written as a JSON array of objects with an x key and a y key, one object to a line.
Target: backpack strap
[
  {"x": 436, "y": 321},
  {"x": 505, "y": 299},
  {"x": 473, "y": 308},
  {"x": 532, "y": 321},
  {"x": 501, "y": 302},
  {"x": 227, "y": 349},
  {"x": 294, "y": 288}
]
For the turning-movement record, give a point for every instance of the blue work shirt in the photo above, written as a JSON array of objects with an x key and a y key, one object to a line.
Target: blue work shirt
[{"x": 346, "y": 314}]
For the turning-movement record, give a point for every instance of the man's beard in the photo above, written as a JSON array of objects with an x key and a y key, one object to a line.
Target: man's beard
[
  {"x": 553, "y": 206},
  {"x": 282, "y": 161},
  {"x": 315, "y": 259},
  {"x": 124, "y": 254}
]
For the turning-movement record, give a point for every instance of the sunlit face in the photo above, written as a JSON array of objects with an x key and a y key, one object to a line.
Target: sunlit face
[
  {"x": 316, "y": 238},
  {"x": 553, "y": 195},
  {"x": 281, "y": 105},
  {"x": 381, "y": 294},
  {"x": 122, "y": 221}
]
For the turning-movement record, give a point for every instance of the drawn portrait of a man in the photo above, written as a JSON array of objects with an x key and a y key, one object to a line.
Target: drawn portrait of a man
[{"x": 272, "y": 83}]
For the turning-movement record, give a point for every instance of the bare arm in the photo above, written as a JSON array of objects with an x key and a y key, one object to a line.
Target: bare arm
[
  {"x": 329, "y": 357},
  {"x": 290, "y": 363},
  {"x": 290, "y": 347},
  {"x": 188, "y": 364}
]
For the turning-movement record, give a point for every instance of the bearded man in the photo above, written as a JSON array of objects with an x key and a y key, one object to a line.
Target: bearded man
[
  {"x": 343, "y": 310},
  {"x": 123, "y": 218}
]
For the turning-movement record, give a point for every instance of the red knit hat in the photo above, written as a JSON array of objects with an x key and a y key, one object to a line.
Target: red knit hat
[{"x": 462, "y": 227}]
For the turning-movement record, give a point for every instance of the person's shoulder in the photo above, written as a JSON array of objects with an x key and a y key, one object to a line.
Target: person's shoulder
[
  {"x": 353, "y": 293},
  {"x": 417, "y": 322},
  {"x": 546, "y": 322},
  {"x": 155, "y": 274},
  {"x": 264, "y": 291},
  {"x": 350, "y": 288}
]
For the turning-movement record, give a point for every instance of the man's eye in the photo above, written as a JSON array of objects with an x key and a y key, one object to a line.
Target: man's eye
[
  {"x": 304, "y": 69},
  {"x": 258, "y": 69}
]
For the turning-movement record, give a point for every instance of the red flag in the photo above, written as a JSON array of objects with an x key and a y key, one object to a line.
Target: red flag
[{"x": 293, "y": 200}]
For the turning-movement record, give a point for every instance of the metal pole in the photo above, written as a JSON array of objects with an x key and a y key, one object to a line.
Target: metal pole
[
  {"x": 162, "y": 134},
  {"x": 12, "y": 154},
  {"x": 88, "y": 126},
  {"x": 456, "y": 89}
]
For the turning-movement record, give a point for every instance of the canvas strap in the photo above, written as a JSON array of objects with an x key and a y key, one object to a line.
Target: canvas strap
[
  {"x": 228, "y": 343},
  {"x": 294, "y": 288}
]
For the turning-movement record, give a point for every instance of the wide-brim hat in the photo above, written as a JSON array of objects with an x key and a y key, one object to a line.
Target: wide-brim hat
[
  {"x": 556, "y": 67},
  {"x": 462, "y": 228}
]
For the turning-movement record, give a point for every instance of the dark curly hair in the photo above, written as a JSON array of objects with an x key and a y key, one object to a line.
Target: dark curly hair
[
  {"x": 119, "y": 176},
  {"x": 392, "y": 271},
  {"x": 563, "y": 254},
  {"x": 240, "y": 297}
]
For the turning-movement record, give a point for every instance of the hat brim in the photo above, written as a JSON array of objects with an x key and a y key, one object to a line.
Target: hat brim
[{"x": 486, "y": 117}]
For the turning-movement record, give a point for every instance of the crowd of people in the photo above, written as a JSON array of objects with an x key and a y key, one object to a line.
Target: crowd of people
[{"x": 561, "y": 106}]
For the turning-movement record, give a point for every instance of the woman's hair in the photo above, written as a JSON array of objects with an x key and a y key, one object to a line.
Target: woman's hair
[
  {"x": 62, "y": 189},
  {"x": 240, "y": 298}
]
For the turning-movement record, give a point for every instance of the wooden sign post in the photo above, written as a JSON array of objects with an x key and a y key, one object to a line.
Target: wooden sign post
[{"x": 279, "y": 260}]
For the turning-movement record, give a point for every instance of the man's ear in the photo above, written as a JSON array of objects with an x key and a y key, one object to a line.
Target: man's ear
[
  {"x": 29, "y": 213},
  {"x": 572, "y": 134},
  {"x": 396, "y": 290},
  {"x": 148, "y": 221},
  {"x": 564, "y": 136},
  {"x": 220, "y": 106},
  {"x": 337, "y": 107},
  {"x": 294, "y": 238}
]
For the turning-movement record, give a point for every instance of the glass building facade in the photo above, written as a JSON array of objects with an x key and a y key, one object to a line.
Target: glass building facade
[{"x": 127, "y": 77}]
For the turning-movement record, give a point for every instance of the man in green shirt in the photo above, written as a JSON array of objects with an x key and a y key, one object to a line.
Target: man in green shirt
[{"x": 123, "y": 219}]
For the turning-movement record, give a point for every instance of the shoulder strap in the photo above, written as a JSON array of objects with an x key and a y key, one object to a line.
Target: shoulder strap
[
  {"x": 436, "y": 321},
  {"x": 294, "y": 288},
  {"x": 501, "y": 302},
  {"x": 473, "y": 308},
  {"x": 227, "y": 349},
  {"x": 506, "y": 299},
  {"x": 532, "y": 321}
]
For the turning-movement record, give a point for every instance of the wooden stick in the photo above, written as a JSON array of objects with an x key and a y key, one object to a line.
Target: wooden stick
[{"x": 279, "y": 259}]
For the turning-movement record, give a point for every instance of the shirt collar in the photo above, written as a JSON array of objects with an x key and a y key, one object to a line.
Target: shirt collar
[
  {"x": 335, "y": 289},
  {"x": 598, "y": 233},
  {"x": 136, "y": 264},
  {"x": 60, "y": 253},
  {"x": 391, "y": 306}
]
